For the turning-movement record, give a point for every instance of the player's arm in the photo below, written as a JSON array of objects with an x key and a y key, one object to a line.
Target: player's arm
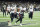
[
  {"x": 28, "y": 10},
  {"x": 10, "y": 9},
  {"x": 7, "y": 8},
  {"x": 15, "y": 10},
  {"x": 33, "y": 8}
]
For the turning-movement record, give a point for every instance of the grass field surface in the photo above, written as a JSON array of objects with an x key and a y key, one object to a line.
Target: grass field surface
[{"x": 26, "y": 21}]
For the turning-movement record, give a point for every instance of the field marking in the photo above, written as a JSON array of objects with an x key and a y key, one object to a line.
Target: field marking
[
  {"x": 26, "y": 24},
  {"x": 4, "y": 18},
  {"x": 36, "y": 17},
  {"x": 25, "y": 17},
  {"x": 30, "y": 20},
  {"x": 33, "y": 17},
  {"x": 25, "y": 20}
]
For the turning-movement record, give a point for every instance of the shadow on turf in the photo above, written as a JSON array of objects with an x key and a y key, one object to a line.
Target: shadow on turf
[
  {"x": 25, "y": 24},
  {"x": 5, "y": 24}
]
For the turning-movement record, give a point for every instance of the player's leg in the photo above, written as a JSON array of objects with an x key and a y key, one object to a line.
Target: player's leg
[
  {"x": 23, "y": 14},
  {"x": 11, "y": 19},
  {"x": 21, "y": 21},
  {"x": 11, "y": 16},
  {"x": 9, "y": 12},
  {"x": 16, "y": 16},
  {"x": 5, "y": 12},
  {"x": 21, "y": 17},
  {"x": 18, "y": 20},
  {"x": 29, "y": 15}
]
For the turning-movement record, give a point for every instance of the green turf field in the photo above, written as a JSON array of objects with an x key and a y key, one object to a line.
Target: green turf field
[{"x": 26, "y": 21}]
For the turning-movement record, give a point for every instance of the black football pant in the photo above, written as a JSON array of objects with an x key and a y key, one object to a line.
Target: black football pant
[
  {"x": 8, "y": 12},
  {"x": 12, "y": 15},
  {"x": 20, "y": 19},
  {"x": 4, "y": 12},
  {"x": 31, "y": 15}
]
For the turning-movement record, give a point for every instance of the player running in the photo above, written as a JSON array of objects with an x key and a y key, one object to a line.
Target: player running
[
  {"x": 13, "y": 13},
  {"x": 8, "y": 9},
  {"x": 20, "y": 17}
]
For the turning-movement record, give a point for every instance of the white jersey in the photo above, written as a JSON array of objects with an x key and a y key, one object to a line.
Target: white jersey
[
  {"x": 24, "y": 8},
  {"x": 8, "y": 8},
  {"x": 20, "y": 8},
  {"x": 12, "y": 9},
  {"x": 4, "y": 7},
  {"x": 31, "y": 8}
]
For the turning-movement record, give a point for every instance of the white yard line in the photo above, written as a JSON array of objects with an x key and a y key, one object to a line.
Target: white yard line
[
  {"x": 25, "y": 17},
  {"x": 4, "y": 18},
  {"x": 36, "y": 17},
  {"x": 33, "y": 17},
  {"x": 30, "y": 20}
]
